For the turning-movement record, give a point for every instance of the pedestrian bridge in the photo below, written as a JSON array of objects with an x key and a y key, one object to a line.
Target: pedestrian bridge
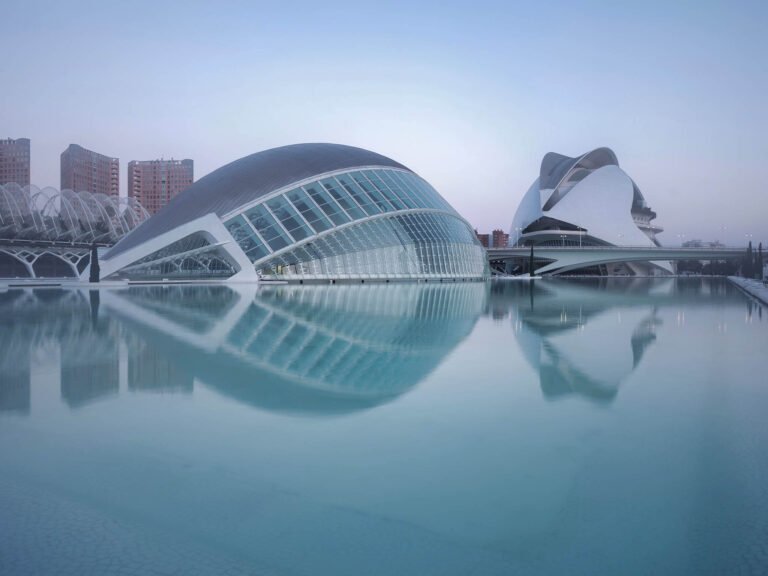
[{"x": 567, "y": 258}]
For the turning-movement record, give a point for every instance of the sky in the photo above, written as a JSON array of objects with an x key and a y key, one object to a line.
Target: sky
[{"x": 470, "y": 95}]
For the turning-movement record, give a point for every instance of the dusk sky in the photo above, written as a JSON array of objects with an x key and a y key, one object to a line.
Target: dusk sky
[{"x": 470, "y": 95}]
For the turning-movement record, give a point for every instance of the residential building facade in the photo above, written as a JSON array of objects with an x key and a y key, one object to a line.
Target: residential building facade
[
  {"x": 15, "y": 161},
  {"x": 499, "y": 239},
  {"x": 155, "y": 182},
  {"x": 83, "y": 170}
]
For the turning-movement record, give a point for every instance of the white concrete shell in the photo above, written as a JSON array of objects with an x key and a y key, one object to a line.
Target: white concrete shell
[{"x": 583, "y": 201}]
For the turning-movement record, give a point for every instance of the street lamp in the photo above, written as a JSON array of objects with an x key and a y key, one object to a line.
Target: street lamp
[
  {"x": 518, "y": 230},
  {"x": 563, "y": 237}
]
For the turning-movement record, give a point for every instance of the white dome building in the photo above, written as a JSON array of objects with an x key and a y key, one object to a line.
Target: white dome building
[
  {"x": 303, "y": 212},
  {"x": 587, "y": 201}
]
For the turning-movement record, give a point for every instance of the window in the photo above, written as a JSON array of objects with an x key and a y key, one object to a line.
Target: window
[
  {"x": 309, "y": 210},
  {"x": 269, "y": 229},
  {"x": 289, "y": 218},
  {"x": 326, "y": 204}
]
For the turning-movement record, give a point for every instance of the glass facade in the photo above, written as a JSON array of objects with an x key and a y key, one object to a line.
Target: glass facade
[
  {"x": 191, "y": 257},
  {"x": 304, "y": 212},
  {"x": 372, "y": 223}
]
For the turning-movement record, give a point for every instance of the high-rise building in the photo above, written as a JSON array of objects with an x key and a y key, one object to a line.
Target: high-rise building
[
  {"x": 496, "y": 239},
  {"x": 14, "y": 161},
  {"x": 87, "y": 171},
  {"x": 499, "y": 239},
  {"x": 154, "y": 182}
]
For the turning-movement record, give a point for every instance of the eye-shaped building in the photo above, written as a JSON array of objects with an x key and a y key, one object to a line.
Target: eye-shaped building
[{"x": 303, "y": 212}]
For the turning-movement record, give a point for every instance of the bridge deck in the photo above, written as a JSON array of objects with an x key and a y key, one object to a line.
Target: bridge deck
[{"x": 566, "y": 258}]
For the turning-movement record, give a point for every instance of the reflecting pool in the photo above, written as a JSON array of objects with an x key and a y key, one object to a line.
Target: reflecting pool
[{"x": 556, "y": 427}]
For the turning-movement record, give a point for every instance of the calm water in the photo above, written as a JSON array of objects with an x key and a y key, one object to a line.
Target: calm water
[{"x": 576, "y": 427}]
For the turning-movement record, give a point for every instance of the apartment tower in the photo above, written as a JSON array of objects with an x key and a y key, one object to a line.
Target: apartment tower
[
  {"x": 14, "y": 161},
  {"x": 83, "y": 170},
  {"x": 154, "y": 182}
]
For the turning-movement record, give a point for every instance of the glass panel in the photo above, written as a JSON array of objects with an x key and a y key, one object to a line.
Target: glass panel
[
  {"x": 359, "y": 195},
  {"x": 312, "y": 213},
  {"x": 401, "y": 245},
  {"x": 433, "y": 197},
  {"x": 243, "y": 234},
  {"x": 289, "y": 218},
  {"x": 396, "y": 188},
  {"x": 343, "y": 198},
  {"x": 416, "y": 195},
  {"x": 384, "y": 189},
  {"x": 377, "y": 197},
  {"x": 268, "y": 228},
  {"x": 257, "y": 252},
  {"x": 327, "y": 205},
  {"x": 424, "y": 196}
]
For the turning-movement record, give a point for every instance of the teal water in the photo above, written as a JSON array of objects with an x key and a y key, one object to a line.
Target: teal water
[{"x": 569, "y": 427}]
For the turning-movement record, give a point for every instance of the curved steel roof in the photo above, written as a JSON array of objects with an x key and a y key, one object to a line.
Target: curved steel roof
[
  {"x": 555, "y": 167},
  {"x": 244, "y": 180}
]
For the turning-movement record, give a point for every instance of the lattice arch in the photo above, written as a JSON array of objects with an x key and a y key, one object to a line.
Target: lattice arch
[{"x": 31, "y": 213}]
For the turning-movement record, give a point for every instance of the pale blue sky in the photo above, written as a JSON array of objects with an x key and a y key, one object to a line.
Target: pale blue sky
[{"x": 470, "y": 95}]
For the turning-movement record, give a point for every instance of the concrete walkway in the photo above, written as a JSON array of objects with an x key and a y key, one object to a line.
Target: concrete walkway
[{"x": 752, "y": 287}]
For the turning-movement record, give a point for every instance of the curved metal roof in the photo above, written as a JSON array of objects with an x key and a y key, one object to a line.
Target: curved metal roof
[
  {"x": 555, "y": 167},
  {"x": 244, "y": 180}
]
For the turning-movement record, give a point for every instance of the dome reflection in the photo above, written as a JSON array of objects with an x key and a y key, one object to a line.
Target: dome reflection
[{"x": 294, "y": 349}]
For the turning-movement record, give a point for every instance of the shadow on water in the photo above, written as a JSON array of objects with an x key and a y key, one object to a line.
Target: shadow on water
[
  {"x": 586, "y": 336},
  {"x": 318, "y": 350}
]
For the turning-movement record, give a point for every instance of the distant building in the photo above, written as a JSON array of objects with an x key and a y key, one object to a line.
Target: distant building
[
  {"x": 14, "y": 161},
  {"x": 87, "y": 171},
  {"x": 499, "y": 239},
  {"x": 496, "y": 239},
  {"x": 695, "y": 243},
  {"x": 154, "y": 182}
]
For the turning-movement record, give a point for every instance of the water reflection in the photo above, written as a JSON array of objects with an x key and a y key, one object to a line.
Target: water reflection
[
  {"x": 302, "y": 349},
  {"x": 585, "y": 337}
]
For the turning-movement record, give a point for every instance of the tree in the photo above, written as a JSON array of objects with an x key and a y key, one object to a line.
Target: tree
[
  {"x": 760, "y": 261},
  {"x": 748, "y": 263},
  {"x": 94, "y": 264}
]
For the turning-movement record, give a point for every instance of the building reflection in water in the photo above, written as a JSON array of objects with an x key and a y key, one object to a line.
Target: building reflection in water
[
  {"x": 316, "y": 349},
  {"x": 15, "y": 375},
  {"x": 149, "y": 370},
  {"x": 585, "y": 337},
  {"x": 295, "y": 349}
]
